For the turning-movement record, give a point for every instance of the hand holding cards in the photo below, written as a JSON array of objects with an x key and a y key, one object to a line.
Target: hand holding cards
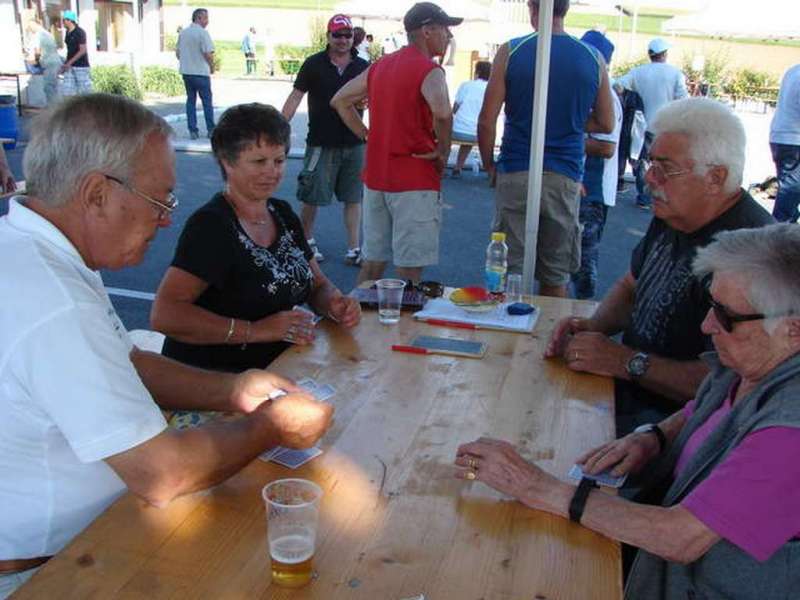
[
  {"x": 301, "y": 325},
  {"x": 289, "y": 457},
  {"x": 603, "y": 478}
]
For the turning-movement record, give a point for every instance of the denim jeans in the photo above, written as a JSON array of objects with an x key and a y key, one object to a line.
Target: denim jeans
[
  {"x": 198, "y": 84},
  {"x": 787, "y": 165},
  {"x": 592, "y": 217},
  {"x": 642, "y": 191}
]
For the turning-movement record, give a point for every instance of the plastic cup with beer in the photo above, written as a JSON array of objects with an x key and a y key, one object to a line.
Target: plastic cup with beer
[{"x": 292, "y": 514}]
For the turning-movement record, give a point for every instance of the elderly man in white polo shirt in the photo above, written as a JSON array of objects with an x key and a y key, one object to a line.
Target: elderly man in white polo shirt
[
  {"x": 78, "y": 416},
  {"x": 195, "y": 52}
]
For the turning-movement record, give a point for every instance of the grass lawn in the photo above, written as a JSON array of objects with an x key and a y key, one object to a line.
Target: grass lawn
[{"x": 645, "y": 24}]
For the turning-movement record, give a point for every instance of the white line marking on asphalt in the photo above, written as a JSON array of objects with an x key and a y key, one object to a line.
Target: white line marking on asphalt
[{"x": 130, "y": 293}]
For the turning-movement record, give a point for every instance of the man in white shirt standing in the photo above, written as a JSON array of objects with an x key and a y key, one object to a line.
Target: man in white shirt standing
[
  {"x": 79, "y": 423},
  {"x": 195, "y": 52},
  {"x": 784, "y": 141},
  {"x": 658, "y": 83},
  {"x": 467, "y": 107}
]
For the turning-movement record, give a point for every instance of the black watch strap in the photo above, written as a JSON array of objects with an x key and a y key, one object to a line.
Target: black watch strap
[
  {"x": 662, "y": 439},
  {"x": 578, "y": 502}
]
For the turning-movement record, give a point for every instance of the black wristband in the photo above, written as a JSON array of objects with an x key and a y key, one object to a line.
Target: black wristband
[
  {"x": 662, "y": 439},
  {"x": 578, "y": 502}
]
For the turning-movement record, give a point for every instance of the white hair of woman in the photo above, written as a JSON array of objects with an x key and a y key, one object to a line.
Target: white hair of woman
[
  {"x": 716, "y": 135},
  {"x": 85, "y": 134},
  {"x": 768, "y": 258}
]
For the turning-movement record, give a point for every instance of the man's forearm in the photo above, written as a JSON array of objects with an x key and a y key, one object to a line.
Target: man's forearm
[
  {"x": 176, "y": 386},
  {"x": 352, "y": 119},
  {"x": 614, "y": 312},
  {"x": 677, "y": 380},
  {"x": 443, "y": 128},
  {"x": 487, "y": 133}
]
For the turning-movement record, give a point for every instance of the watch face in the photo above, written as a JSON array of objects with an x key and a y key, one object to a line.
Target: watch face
[{"x": 637, "y": 365}]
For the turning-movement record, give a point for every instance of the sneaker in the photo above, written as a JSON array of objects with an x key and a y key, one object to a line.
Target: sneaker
[
  {"x": 193, "y": 135},
  {"x": 317, "y": 254},
  {"x": 353, "y": 257}
]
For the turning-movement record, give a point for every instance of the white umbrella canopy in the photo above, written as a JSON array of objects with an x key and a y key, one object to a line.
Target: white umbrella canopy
[
  {"x": 370, "y": 9},
  {"x": 768, "y": 19}
]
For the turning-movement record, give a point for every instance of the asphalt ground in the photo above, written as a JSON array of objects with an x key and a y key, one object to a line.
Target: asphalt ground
[{"x": 468, "y": 211}]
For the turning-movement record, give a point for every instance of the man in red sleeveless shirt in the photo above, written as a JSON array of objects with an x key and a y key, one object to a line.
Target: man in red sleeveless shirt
[{"x": 408, "y": 146}]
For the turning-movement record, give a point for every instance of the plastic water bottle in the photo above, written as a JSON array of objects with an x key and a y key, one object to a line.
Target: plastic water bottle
[{"x": 496, "y": 263}]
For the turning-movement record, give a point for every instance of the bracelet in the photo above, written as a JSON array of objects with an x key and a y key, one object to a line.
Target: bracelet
[
  {"x": 230, "y": 331},
  {"x": 247, "y": 334},
  {"x": 578, "y": 502}
]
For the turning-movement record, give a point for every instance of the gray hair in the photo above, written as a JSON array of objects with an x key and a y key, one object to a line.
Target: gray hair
[
  {"x": 716, "y": 135},
  {"x": 82, "y": 135},
  {"x": 768, "y": 258}
]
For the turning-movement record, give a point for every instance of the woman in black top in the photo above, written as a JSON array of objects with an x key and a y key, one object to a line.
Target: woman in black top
[{"x": 242, "y": 262}]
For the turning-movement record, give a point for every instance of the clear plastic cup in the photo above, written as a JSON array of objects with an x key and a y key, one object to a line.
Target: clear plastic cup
[
  {"x": 292, "y": 515},
  {"x": 390, "y": 299},
  {"x": 513, "y": 288}
]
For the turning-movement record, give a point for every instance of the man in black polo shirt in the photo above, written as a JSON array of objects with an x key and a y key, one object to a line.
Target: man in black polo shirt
[
  {"x": 334, "y": 155},
  {"x": 76, "y": 68}
]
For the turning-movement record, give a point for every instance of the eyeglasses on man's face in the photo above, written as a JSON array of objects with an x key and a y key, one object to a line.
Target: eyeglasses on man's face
[
  {"x": 165, "y": 207},
  {"x": 659, "y": 172},
  {"x": 342, "y": 34}
]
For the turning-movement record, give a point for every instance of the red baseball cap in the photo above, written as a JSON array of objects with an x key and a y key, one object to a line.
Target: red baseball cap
[{"x": 339, "y": 22}]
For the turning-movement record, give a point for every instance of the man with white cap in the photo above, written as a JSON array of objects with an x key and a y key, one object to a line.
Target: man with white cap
[
  {"x": 658, "y": 84},
  {"x": 76, "y": 68}
]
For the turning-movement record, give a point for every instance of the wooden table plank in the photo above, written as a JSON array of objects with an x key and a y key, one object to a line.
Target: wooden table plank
[{"x": 395, "y": 523}]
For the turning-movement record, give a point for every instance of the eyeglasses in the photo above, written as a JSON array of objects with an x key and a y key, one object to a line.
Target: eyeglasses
[
  {"x": 432, "y": 289},
  {"x": 727, "y": 319},
  {"x": 339, "y": 35},
  {"x": 165, "y": 208},
  {"x": 660, "y": 174}
]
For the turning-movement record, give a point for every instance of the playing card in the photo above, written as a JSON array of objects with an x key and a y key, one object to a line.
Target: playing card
[
  {"x": 323, "y": 392},
  {"x": 307, "y": 384},
  {"x": 295, "y": 458},
  {"x": 603, "y": 478}
]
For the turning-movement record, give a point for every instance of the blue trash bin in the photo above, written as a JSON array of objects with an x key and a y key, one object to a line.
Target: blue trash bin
[{"x": 9, "y": 125}]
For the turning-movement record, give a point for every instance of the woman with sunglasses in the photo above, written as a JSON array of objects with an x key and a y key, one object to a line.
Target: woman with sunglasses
[
  {"x": 242, "y": 263},
  {"x": 717, "y": 516}
]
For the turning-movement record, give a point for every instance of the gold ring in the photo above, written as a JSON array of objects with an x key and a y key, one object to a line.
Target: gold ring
[
  {"x": 575, "y": 355},
  {"x": 472, "y": 463},
  {"x": 471, "y": 475}
]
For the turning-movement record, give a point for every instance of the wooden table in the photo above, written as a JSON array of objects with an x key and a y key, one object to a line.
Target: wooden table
[{"x": 394, "y": 521}]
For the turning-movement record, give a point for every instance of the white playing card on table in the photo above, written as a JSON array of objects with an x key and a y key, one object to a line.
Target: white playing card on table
[{"x": 603, "y": 478}]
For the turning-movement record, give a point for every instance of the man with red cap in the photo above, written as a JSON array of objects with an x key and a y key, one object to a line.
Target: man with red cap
[
  {"x": 334, "y": 155},
  {"x": 409, "y": 143}
]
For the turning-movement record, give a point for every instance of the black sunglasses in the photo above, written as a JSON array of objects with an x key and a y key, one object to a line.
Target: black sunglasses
[
  {"x": 728, "y": 319},
  {"x": 340, "y": 35}
]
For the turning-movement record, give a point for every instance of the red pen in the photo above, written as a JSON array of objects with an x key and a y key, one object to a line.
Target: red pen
[
  {"x": 409, "y": 349},
  {"x": 455, "y": 324}
]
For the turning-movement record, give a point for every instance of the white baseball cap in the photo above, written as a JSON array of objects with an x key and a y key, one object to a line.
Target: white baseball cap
[{"x": 657, "y": 46}]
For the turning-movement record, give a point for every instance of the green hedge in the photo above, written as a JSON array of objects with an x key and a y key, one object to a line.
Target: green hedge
[
  {"x": 291, "y": 57},
  {"x": 118, "y": 79},
  {"x": 162, "y": 80}
]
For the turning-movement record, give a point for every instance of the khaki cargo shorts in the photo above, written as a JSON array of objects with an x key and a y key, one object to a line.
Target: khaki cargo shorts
[
  {"x": 402, "y": 226},
  {"x": 558, "y": 250}
]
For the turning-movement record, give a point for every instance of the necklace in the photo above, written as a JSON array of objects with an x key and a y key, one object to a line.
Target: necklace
[{"x": 241, "y": 218}]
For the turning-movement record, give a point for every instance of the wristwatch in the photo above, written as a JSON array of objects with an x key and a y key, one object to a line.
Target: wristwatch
[
  {"x": 638, "y": 364},
  {"x": 653, "y": 428}
]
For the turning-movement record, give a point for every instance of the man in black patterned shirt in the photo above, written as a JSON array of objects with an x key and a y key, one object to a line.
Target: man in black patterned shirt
[{"x": 694, "y": 174}]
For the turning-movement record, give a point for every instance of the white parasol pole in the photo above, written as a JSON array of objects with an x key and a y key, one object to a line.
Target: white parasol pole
[{"x": 537, "y": 141}]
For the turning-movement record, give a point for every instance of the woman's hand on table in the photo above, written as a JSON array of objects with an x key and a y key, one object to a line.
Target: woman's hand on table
[
  {"x": 294, "y": 326},
  {"x": 498, "y": 464},
  {"x": 254, "y": 387},
  {"x": 628, "y": 455},
  {"x": 345, "y": 310},
  {"x": 299, "y": 420}
]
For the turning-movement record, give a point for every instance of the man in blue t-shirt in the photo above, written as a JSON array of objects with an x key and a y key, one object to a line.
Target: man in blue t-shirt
[{"x": 579, "y": 101}]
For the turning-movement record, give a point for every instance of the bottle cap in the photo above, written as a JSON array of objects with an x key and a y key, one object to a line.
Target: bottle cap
[{"x": 498, "y": 236}]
